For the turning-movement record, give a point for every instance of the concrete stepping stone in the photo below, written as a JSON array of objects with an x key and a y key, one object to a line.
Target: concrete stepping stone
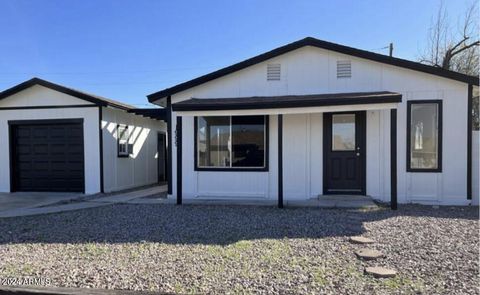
[
  {"x": 368, "y": 254},
  {"x": 380, "y": 272},
  {"x": 361, "y": 240}
]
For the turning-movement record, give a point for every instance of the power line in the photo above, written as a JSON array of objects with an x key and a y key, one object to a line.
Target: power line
[{"x": 121, "y": 83}]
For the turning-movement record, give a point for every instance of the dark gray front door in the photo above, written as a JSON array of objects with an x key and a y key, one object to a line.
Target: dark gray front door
[
  {"x": 162, "y": 157},
  {"x": 344, "y": 152},
  {"x": 47, "y": 155}
]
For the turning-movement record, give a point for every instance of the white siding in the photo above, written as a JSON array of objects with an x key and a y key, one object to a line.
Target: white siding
[
  {"x": 311, "y": 70},
  {"x": 38, "y": 95},
  {"x": 141, "y": 167}
]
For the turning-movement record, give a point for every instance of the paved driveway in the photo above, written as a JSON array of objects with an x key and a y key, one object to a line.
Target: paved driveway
[
  {"x": 9, "y": 201},
  {"x": 24, "y": 204}
]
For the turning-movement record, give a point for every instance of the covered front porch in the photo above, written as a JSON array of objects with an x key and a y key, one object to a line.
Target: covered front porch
[{"x": 315, "y": 145}]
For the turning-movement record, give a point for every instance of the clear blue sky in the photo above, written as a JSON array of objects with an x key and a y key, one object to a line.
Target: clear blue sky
[{"x": 125, "y": 50}]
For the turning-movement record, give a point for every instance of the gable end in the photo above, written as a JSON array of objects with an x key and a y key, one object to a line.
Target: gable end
[{"x": 309, "y": 41}]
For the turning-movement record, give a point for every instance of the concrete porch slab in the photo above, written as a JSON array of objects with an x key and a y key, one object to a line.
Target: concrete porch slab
[
  {"x": 340, "y": 201},
  {"x": 347, "y": 202}
]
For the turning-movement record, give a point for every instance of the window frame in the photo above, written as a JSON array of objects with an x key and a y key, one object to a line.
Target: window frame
[
  {"x": 120, "y": 154},
  {"x": 439, "y": 103},
  {"x": 232, "y": 169},
  {"x": 354, "y": 130}
]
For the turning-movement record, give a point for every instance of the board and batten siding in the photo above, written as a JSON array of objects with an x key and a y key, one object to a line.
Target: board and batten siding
[
  {"x": 310, "y": 70},
  {"x": 140, "y": 168},
  {"x": 41, "y": 96}
]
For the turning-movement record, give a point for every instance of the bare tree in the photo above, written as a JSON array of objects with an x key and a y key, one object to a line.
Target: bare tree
[{"x": 454, "y": 49}]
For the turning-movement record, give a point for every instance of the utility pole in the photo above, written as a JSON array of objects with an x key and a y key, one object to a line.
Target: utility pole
[{"x": 391, "y": 49}]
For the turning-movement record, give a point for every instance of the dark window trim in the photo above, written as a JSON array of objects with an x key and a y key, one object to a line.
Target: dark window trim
[
  {"x": 440, "y": 131},
  {"x": 233, "y": 169},
  {"x": 118, "y": 143}
]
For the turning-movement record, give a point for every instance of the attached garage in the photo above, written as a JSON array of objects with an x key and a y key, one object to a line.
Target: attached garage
[
  {"x": 58, "y": 139},
  {"x": 47, "y": 155}
]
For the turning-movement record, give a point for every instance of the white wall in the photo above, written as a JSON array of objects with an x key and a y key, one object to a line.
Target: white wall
[
  {"x": 312, "y": 70},
  {"x": 38, "y": 95},
  {"x": 140, "y": 168}
]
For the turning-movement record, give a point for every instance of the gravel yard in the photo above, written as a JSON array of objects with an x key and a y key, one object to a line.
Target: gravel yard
[{"x": 222, "y": 249}]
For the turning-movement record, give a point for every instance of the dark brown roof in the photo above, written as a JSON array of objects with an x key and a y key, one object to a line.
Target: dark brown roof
[
  {"x": 153, "y": 113},
  {"x": 309, "y": 41},
  {"x": 95, "y": 99},
  {"x": 290, "y": 101}
]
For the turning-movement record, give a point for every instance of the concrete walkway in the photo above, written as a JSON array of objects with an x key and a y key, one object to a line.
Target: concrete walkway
[
  {"x": 132, "y": 195},
  {"x": 43, "y": 208},
  {"x": 327, "y": 201},
  {"x": 156, "y": 195},
  {"x": 11, "y": 201}
]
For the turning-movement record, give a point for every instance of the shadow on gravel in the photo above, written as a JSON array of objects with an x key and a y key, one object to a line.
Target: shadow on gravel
[{"x": 209, "y": 225}]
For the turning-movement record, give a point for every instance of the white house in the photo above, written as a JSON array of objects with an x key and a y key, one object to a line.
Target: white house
[
  {"x": 313, "y": 118},
  {"x": 55, "y": 138}
]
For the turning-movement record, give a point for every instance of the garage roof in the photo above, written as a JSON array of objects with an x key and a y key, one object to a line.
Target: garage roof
[
  {"x": 98, "y": 100},
  {"x": 152, "y": 113}
]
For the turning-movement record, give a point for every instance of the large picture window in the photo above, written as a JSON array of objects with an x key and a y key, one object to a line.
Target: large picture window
[
  {"x": 424, "y": 136},
  {"x": 231, "y": 143}
]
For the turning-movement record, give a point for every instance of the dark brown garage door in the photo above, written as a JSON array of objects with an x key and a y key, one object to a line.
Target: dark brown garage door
[{"x": 47, "y": 155}]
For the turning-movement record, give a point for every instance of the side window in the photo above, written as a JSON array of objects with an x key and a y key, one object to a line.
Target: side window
[
  {"x": 424, "y": 136},
  {"x": 123, "y": 135}
]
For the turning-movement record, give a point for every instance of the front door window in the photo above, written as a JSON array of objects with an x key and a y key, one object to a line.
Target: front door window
[{"x": 343, "y": 132}]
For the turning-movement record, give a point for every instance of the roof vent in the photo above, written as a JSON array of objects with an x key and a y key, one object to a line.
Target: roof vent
[
  {"x": 344, "y": 69},
  {"x": 273, "y": 72}
]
